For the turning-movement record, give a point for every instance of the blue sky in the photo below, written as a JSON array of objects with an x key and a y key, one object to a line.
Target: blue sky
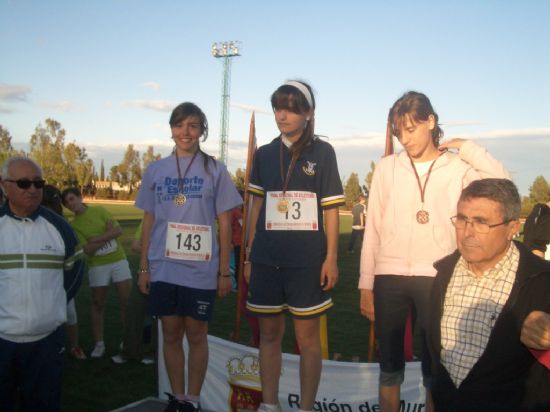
[{"x": 111, "y": 71}]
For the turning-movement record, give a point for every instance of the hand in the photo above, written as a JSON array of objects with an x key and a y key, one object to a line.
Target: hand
[
  {"x": 367, "y": 304},
  {"x": 144, "y": 282},
  {"x": 224, "y": 285},
  {"x": 452, "y": 144},
  {"x": 535, "y": 332},
  {"x": 329, "y": 275}
]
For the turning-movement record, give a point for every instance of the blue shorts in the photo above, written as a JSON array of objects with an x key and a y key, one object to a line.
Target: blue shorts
[
  {"x": 273, "y": 290},
  {"x": 393, "y": 297},
  {"x": 167, "y": 299}
]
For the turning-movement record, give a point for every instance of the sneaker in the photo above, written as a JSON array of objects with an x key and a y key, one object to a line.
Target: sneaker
[
  {"x": 187, "y": 406},
  {"x": 98, "y": 351},
  {"x": 147, "y": 361},
  {"x": 119, "y": 359},
  {"x": 78, "y": 353},
  {"x": 173, "y": 404}
]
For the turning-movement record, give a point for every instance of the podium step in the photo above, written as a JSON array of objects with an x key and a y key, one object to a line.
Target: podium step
[{"x": 147, "y": 405}]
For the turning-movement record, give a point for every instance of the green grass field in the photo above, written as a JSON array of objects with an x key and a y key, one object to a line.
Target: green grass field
[{"x": 101, "y": 385}]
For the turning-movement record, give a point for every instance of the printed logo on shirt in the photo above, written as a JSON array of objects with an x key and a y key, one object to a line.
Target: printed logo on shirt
[
  {"x": 170, "y": 187},
  {"x": 49, "y": 248},
  {"x": 310, "y": 169}
]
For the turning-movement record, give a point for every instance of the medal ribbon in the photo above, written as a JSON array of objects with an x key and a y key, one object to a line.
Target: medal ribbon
[
  {"x": 181, "y": 179},
  {"x": 286, "y": 179},
  {"x": 422, "y": 189}
]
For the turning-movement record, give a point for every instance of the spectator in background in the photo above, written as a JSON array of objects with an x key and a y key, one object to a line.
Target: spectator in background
[
  {"x": 98, "y": 232},
  {"x": 358, "y": 215},
  {"x": 536, "y": 230},
  {"x": 40, "y": 270},
  {"x": 52, "y": 199},
  {"x": 132, "y": 344}
]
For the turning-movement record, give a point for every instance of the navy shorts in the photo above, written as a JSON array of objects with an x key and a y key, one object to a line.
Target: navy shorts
[
  {"x": 393, "y": 297},
  {"x": 274, "y": 290},
  {"x": 167, "y": 299}
]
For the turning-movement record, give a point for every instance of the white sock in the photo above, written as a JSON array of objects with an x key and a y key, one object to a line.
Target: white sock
[
  {"x": 266, "y": 407},
  {"x": 100, "y": 343}
]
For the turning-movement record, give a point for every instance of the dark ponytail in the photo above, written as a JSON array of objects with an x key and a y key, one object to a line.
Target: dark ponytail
[{"x": 292, "y": 99}]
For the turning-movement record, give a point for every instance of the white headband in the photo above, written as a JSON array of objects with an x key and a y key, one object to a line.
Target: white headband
[{"x": 305, "y": 91}]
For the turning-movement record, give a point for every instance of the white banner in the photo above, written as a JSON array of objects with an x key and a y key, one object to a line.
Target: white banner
[{"x": 233, "y": 384}]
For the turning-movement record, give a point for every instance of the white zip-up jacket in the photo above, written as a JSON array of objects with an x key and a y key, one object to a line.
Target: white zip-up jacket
[
  {"x": 394, "y": 242},
  {"x": 40, "y": 270}
]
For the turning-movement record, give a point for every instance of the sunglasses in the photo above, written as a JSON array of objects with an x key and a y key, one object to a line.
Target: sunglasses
[{"x": 25, "y": 183}]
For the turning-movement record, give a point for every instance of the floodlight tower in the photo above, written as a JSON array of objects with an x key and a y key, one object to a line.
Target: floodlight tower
[{"x": 225, "y": 51}]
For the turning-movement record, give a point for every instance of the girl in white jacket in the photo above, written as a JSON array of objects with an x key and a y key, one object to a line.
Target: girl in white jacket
[{"x": 413, "y": 195}]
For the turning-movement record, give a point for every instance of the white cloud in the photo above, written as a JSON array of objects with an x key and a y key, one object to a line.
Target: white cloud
[
  {"x": 162, "y": 127},
  {"x": 157, "y": 105},
  {"x": 358, "y": 140},
  {"x": 507, "y": 133},
  {"x": 152, "y": 85},
  {"x": 5, "y": 109},
  {"x": 14, "y": 92},
  {"x": 377, "y": 139},
  {"x": 460, "y": 123},
  {"x": 249, "y": 108},
  {"x": 60, "y": 105}
]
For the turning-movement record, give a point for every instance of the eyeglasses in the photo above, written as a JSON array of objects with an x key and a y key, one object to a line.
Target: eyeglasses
[
  {"x": 25, "y": 183},
  {"x": 460, "y": 222}
]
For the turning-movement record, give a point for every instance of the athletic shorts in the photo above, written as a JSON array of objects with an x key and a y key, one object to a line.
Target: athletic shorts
[
  {"x": 167, "y": 299},
  {"x": 103, "y": 274},
  {"x": 393, "y": 298},
  {"x": 273, "y": 290}
]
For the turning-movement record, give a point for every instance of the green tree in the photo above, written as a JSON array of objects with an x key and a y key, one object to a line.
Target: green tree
[
  {"x": 6, "y": 148},
  {"x": 114, "y": 175},
  {"x": 238, "y": 179},
  {"x": 129, "y": 169},
  {"x": 149, "y": 156},
  {"x": 368, "y": 178},
  {"x": 352, "y": 190},
  {"x": 47, "y": 145},
  {"x": 102, "y": 171},
  {"x": 80, "y": 169},
  {"x": 539, "y": 192}
]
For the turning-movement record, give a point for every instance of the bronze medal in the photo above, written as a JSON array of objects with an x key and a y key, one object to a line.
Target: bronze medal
[
  {"x": 422, "y": 217},
  {"x": 282, "y": 205},
  {"x": 180, "y": 199}
]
